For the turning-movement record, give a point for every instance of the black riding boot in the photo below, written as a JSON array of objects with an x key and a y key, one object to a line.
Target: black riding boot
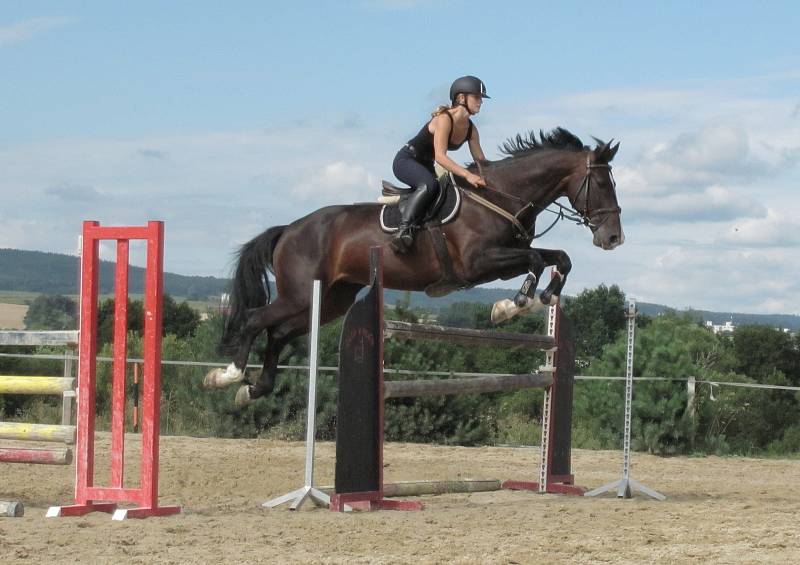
[{"x": 411, "y": 211}]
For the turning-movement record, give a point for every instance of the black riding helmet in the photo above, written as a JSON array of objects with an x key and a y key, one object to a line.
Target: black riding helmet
[{"x": 467, "y": 85}]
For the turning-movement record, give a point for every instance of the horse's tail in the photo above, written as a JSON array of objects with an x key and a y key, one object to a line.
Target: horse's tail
[{"x": 250, "y": 285}]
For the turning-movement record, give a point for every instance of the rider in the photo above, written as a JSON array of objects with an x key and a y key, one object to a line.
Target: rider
[{"x": 447, "y": 130}]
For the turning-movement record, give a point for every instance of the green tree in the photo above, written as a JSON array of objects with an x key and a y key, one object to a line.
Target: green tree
[
  {"x": 105, "y": 319},
  {"x": 177, "y": 319},
  {"x": 51, "y": 313},
  {"x": 761, "y": 350},
  {"x": 598, "y": 315}
]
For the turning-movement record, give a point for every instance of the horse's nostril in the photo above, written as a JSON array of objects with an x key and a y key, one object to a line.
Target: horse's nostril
[{"x": 614, "y": 239}]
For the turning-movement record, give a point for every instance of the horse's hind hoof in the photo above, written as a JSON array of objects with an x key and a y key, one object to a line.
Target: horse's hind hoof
[
  {"x": 243, "y": 396},
  {"x": 219, "y": 378}
]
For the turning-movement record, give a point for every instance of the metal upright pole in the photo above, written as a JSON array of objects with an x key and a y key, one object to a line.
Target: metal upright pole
[
  {"x": 300, "y": 495},
  {"x": 626, "y": 485}
]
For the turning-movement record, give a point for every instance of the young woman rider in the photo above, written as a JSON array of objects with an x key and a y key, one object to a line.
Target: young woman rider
[{"x": 448, "y": 129}]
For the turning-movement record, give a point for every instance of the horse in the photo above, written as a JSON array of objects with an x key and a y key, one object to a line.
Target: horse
[{"x": 489, "y": 239}]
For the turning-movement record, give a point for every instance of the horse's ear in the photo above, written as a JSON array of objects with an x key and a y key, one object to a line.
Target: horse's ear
[
  {"x": 613, "y": 151},
  {"x": 600, "y": 145},
  {"x": 601, "y": 151},
  {"x": 604, "y": 152}
]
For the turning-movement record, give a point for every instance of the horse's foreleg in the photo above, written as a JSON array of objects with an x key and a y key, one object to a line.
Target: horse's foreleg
[
  {"x": 528, "y": 289},
  {"x": 562, "y": 266},
  {"x": 508, "y": 262}
]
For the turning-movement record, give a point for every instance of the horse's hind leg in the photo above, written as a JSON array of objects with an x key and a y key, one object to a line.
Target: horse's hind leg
[
  {"x": 279, "y": 336},
  {"x": 258, "y": 319},
  {"x": 334, "y": 303}
]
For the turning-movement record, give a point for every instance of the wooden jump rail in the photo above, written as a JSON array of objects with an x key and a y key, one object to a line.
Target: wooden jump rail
[
  {"x": 21, "y": 431},
  {"x": 41, "y": 456},
  {"x": 464, "y": 336},
  {"x": 14, "y": 384},
  {"x": 473, "y": 385},
  {"x": 66, "y": 337}
]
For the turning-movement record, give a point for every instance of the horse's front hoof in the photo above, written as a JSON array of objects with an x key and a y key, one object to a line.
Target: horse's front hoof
[
  {"x": 219, "y": 378},
  {"x": 548, "y": 299},
  {"x": 243, "y": 396}
]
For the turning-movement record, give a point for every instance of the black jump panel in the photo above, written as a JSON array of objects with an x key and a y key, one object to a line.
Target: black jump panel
[{"x": 359, "y": 423}]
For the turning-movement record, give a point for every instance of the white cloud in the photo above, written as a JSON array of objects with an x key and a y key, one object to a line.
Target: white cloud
[
  {"x": 714, "y": 277},
  {"x": 30, "y": 28},
  {"x": 777, "y": 229},
  {"x": 336, "y": 182},
  {"x": 73, "y": 192},
  {"x": 714, "y": 204}
]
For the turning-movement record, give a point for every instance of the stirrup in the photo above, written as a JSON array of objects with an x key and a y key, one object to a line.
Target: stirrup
[{"x": 403, "y": 240}]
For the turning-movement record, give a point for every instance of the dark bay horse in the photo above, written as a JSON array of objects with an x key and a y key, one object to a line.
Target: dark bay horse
[{"x": 486, "y": 242}]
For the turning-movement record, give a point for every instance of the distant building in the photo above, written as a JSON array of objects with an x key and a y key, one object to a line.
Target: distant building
[
  {"x": 726, "y": 329},
  {"x": 224, "y": 304}
]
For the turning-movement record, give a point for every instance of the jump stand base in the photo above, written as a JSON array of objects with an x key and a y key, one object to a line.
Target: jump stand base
[
  {"x": 625, "y": 489},
  {"x": 299, "y": 496},
  {"x": 552, "y": 487},
  {"x": 111, "y": 508},
  {"x": 367, "y": 502}
]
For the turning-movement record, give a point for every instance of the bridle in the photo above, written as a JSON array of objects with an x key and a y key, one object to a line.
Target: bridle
[
  {"x": 584, "y": 216},
  {"x": 587, "y": 216}
]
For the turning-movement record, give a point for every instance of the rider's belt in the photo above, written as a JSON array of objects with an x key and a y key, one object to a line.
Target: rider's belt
[{"x": 411, "y": 149}]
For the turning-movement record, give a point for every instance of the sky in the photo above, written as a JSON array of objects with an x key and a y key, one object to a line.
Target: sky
[{"x": 222, "y": 119}]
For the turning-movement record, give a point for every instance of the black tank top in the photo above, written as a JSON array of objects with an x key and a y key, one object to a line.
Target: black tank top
[{"x": 423, "y": 141}]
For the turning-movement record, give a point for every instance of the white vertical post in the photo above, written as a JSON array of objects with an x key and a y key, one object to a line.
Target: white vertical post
[
  {"x": 547, "y": 402},
  {"x": 313, "y": 368},
  {"x": 307, "y": 490},
  {"x": 626, "y": 442},
  {"x": 626, "y": 484},
  {"x": 691, "y": 407}
]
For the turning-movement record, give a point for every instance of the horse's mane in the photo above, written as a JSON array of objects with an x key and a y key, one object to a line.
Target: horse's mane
[
  {"x": 559, "y": 138},
  {"x": 527, "y": 144}
]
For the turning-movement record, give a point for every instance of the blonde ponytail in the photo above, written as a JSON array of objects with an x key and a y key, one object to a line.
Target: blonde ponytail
[{"x": 441, "y": 109}]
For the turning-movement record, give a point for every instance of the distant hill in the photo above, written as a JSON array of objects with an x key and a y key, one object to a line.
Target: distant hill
[{"x": 55, "y": 273}]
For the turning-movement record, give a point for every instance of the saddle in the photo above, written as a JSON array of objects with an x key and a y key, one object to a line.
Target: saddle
[{"x": 442, "y": 211}]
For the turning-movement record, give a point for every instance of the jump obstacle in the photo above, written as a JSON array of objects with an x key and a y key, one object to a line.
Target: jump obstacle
[
  {"x": 39, "y": 385},
  {"x": 88, "y": 497},
  {"x": 625, "y": 486},
  {"x": 359, "y": 433},
  {"x": 34, "y": 432}
]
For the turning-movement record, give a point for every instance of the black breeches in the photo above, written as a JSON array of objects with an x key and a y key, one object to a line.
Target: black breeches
[{"x": 413, "y": 173}]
